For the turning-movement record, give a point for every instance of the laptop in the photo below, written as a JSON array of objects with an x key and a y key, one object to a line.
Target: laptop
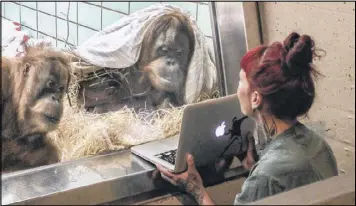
[{"x": 204, "y": 133}]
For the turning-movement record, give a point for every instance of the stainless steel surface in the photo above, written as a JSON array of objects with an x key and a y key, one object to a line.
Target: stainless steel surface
[
  {"x": 252, "y": 22},
  {"x": 232, "y": 38},
  {"x": 217, "y": 49},
  {"x": 86, "y": 181},
  {"x": 94, "y": 180}
]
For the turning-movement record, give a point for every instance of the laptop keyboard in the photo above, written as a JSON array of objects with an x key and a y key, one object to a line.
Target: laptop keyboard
[{"x": 169, "y": 156}]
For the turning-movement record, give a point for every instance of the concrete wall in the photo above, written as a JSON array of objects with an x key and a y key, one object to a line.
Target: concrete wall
[{"x": 332, "y": 24}]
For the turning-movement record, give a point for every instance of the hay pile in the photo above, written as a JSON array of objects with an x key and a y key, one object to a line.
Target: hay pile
[{"x": 82, "y": 134}]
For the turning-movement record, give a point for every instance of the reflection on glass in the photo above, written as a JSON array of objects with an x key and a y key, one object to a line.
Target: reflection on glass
[{"x": 174, "y": 66}]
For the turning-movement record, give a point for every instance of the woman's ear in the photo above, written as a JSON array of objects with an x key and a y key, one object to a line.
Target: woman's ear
[{"x": 256, "y": 100}]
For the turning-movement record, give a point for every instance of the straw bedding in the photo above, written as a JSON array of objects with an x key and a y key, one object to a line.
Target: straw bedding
[{"x": 81, "y": 134}]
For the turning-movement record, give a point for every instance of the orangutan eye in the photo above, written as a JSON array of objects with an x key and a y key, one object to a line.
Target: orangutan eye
[
  {"x": 61, "y": 89},
  {"x": 50, "y": 84},
  {"x": 164, "y": 50}
]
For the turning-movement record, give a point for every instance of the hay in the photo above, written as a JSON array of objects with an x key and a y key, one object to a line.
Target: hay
[{"x": 81, "y": 134}]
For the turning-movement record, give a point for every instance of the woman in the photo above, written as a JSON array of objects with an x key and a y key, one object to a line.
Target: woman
[{"x": 276, "y": 86}]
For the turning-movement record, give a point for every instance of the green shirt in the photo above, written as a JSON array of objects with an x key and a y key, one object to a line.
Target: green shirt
[{"x": 294, "y": 158}]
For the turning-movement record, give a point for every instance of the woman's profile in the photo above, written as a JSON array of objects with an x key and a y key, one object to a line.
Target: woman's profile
[{"x": 276, "y": 87}]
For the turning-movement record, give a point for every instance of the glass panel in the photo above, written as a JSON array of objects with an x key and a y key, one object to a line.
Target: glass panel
[
  {"x": 48, "y": 7},
  {"x": 62, "y": 31},
  {"x": 28, "y": 18},
  {"x": 32, "y": 33},
  {"x": 118, "y": 6},
  {"x": 190, "y": 8},
  {"x": 84, "y": 34},
  {"x": 169, "y": 49},
  {"x": 47, "y": 38},
  {"x": 47, "y": 24},
  {"x": 62, "y": 9},
  {"x": 203, "y": 19},
  {"x": 2, "y": 9},
  {"x": 12, "y": 11},
  {"x": 135, "y": 6},
  {"x": 89, "y": 15},
  {"x": 110, "y": 17},
  {"x": 29, "y": 4}
]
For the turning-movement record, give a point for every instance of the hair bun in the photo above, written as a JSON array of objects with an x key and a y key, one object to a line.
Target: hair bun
[
  {"x": 299, "y": 53},
  {"x": 290, "y": 41}
]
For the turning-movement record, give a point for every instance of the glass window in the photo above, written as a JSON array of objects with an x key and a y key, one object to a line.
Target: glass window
[{"x": 160, "y": 77}]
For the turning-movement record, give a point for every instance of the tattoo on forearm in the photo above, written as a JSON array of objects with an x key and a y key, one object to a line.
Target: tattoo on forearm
[{"x": 193, "y": 187}]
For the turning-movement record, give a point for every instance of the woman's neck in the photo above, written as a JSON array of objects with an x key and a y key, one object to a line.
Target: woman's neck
[{"x": 273, "y": 126}]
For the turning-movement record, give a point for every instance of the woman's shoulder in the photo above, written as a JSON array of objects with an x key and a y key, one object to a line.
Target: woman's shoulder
[
  {"x": 311, "y": 143},
  {"x": 300, "y": 151},
  {"x": 299, "y": 141},
  {"x": 278, "y": 162}
]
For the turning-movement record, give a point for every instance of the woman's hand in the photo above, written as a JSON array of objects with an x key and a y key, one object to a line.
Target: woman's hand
[{"x": 189, "y": 181}]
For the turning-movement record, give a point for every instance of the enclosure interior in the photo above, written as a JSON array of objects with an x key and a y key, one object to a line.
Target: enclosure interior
[{"x": 50, "y": 20}]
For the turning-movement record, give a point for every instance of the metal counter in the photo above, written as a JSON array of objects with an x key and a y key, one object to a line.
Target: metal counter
[
  {"x": 86, "y": 181},
  {"x": 94, "y": 180}
]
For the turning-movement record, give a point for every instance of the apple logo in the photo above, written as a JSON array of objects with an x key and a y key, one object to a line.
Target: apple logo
[{"x": 220, "y": 130}]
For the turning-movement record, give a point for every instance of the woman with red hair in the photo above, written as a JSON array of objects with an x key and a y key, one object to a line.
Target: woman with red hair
[{"x": 276, "y": 87}]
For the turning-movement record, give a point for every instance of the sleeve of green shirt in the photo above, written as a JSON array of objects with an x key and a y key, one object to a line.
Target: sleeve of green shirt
[{"x": 257, "y": 187}]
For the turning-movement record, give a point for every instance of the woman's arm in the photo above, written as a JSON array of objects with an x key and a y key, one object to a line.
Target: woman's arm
[
  {"x": 192, "y": 186},
  {"x": 189, "y": 181},
  {"x": 206, "y": 200}
]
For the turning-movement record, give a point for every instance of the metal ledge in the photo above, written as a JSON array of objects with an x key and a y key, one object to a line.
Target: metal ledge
[
  {"x": 94, "y": 180},
  {"x": 90, "y": 180}
]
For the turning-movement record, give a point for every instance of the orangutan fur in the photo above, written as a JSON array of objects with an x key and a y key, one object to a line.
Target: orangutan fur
[
  {"x": 32, "y": 93},
  {"x": 167, "y": 49},
  {"x": 157, "y": 79}
]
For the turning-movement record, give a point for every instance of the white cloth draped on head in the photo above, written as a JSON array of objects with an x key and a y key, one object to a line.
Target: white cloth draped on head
[{"x": 119, "y": 45}]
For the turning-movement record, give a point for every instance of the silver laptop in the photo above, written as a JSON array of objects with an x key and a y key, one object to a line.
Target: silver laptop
[{"x": 204, "y": 133}]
